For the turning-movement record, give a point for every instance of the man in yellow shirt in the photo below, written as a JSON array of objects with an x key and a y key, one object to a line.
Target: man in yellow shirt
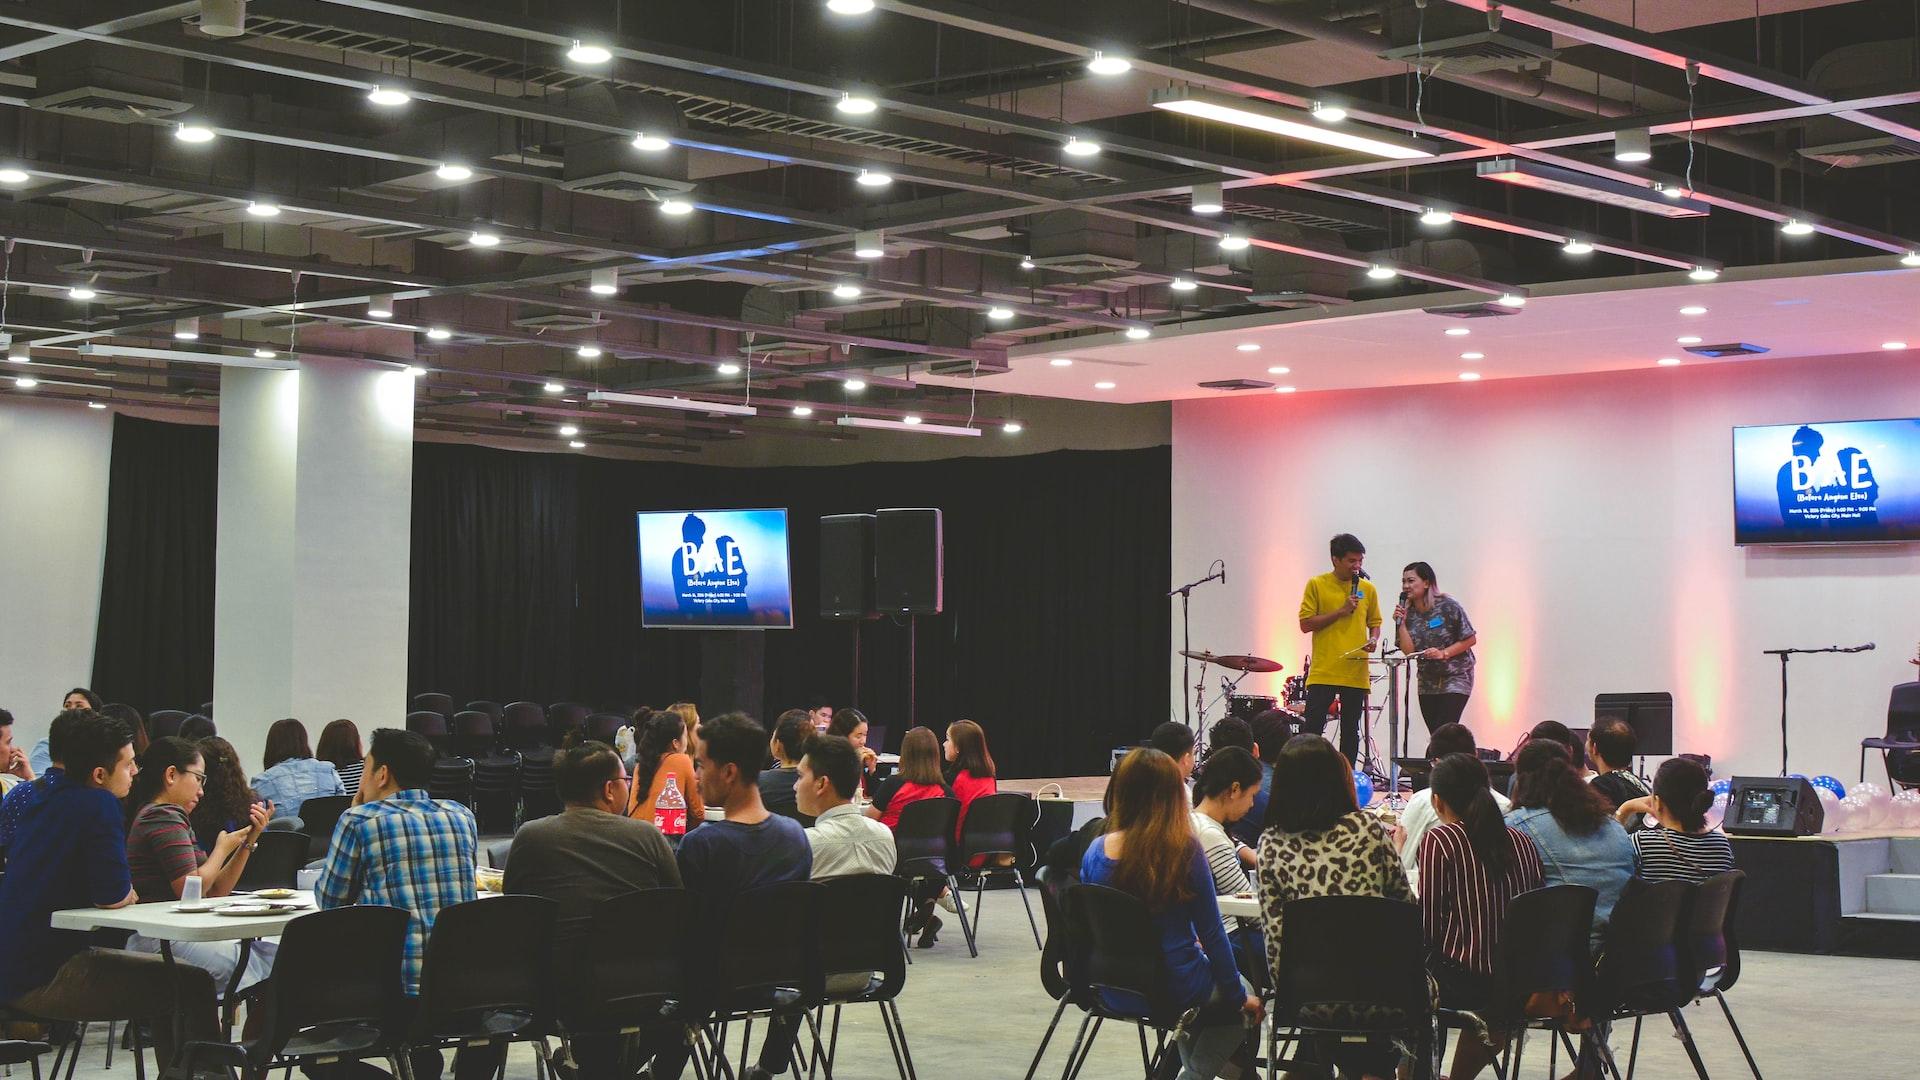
[{"x": 1341, "y": 610}]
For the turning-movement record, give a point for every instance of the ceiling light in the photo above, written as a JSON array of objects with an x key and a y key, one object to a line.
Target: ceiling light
[
  {"x": 1457, "y": 331},
  {"x": 907, "y": 423},
  {"x": 263, "y": 209},
  {"x": 81, "y": 292},
  {"x": 650, "y": 143},
  {"x": 555, "y": 388},
  {"x": 846, "y": 290},
  {"x": 854, "y": 386},
  {"x": 1911, "y": 258},
  {"x": 588, "y": 53},
  {"x": 415, "y": 370},
  {"x": 1436, "y": 216},
  {"x": 1633, "y": 144},
  {"x": 870, "y": 244},
  {"x": 453, "y": 170},
  {"x": 577, "y": 445},
  {"x": 14, "y": 176},
  {"x": 192, "y": 131},
  {"x": 1060, "y": 361},
  {"x": 388, "y": 98},
  {"x": 910, "y": 419},
  {"x": 95, "y": 405},
  {"x": 263, "y": 354},
  {"x": 873, "y": 178},
  {"x": 852, "y": 104},
  {"x": 1248, "y": 346},
  {"x": 604, "y": 282},
  {"x": 1103, "y": 64},
  {"x": 483, "y": 238},
  {"x": 1690, "y": 339},
  {"x": 1668, "y": 361},
  {"x": 1670, "y": 191},
  {"x": 1592, "y": 188},
  {"x": 26, "y": 382},
  {"x": 1291, "y": 123},
  {"x": 1703, "y": 273},
  {"x": 19, "y": 355},
  {"x": 1104, "y": 385},
  {"x": 1327, "y": 113},
  {"x": 1012, "y": 427},
  {"x": 1795, "y": 227},
  {"x": 568, "y": 431},
  {"x": 676, "y": 206},
  {"x": 1278, "y": 369},
  {"x": 1693, "y": 309},
  {"x": 1209, "y": 198},
  {"x": 1512, "y": 300},
  {"x": 1469, "y": 376},
  {"x": 1283, "y": 389},
  {"x": 1382, "y": 273},
  {"x": 380, "y": 307},
  {"x": 1079, "y": 147},
  {"x": 999, "y": 314},
  {"x": 1893, "y": 345},
  {"x": 187, "y": 329},
  {"x": 1027, "y": 263},
  {"x": 180, "y": 354},
  {"x": 802, "y": 410},
  {"x": 1182, "y": 284},
  {"x": 588, "y": 352},
  {"x": 1234, "y": 242},
  {"x": 1577, "y": 247},
  {"x": 1138, "y": 333},
  {"x": 728, "y": 369},
  {"x": 1473, "y": 356},
  {"x": 439, "y": 333},
  {"x": 849, "y": 7}
]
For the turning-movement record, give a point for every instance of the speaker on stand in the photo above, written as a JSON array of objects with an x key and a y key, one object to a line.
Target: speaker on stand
[
  {"x": 846, "y": 578},
  {"x": 909, "y": 576}
]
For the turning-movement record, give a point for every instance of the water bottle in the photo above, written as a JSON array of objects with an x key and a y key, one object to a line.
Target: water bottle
[{"x": 670, "y": 809}]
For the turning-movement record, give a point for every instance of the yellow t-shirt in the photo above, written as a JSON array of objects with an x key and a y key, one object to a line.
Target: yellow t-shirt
[{"x": 1331, "y": 643}]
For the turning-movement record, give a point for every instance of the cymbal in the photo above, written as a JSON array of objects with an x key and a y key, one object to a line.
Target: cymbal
[{"x": 1236, "y": 663}]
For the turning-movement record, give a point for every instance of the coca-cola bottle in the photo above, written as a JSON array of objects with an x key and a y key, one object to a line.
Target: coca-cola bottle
[{"x": 670, "y": 809}]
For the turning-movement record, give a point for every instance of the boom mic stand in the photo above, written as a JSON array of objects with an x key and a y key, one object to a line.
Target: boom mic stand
[
  {"x": 1216, "y": 571},
  {"x": 1784, "y": 654}
]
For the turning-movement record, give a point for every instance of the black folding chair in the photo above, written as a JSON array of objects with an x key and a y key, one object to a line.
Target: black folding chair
[
  {"x": 562, "y": 717},
  {"x": 538, "y": 798},
  {"x": 335, "y": 996},
  {"x": 496, "y": 791},
  {"x": 1352, "y": 967},
  {"x": 20, "y": 1052},
  {"x": 440, "y": 703},
  {"x": 1712, "y": 950},
  {"x": 1053, "y": 954},
  {"x": 275, "y": 861},
  {"x": 165, "y": 722},
  {"x": 491, "y": 708},
  {"x": 605, "y": 726},
  {"x": 924, "y": 840},
  {"x": 486, "y": 978},
  {"x": 1544, "y": 949},
  {"x": 1113, "y": 947},
  {"x": 857, "y": 913},
  {"x": 318, "y": 816},
  {"x": 1645, "y": 970},
  {"x": 523, "y": 726},
  {"x": 452, "y": 780},
  {"x": 472, "y": 733},
  {"x": 769, "y": 964},
  {"x": 997, "y": 825},
  {"x": 430, "y": 724},
  {"x": 1900, "y": 747},
  {"x": 626, "y": 985}
]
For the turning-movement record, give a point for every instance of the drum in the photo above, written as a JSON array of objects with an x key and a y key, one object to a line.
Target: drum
[{"x": 1248, "y": 706}]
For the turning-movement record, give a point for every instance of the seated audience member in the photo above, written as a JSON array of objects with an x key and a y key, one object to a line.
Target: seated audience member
[
  {"x": 1418, "y": 815},
  {"x": 340, "y": 747},
  {"x": 14, "y": 766},
  {"x": 1560, "y": 733},
  {"x": 1472, "y": 865},
  {"x": 1269, "y": 733},
  {"x": 663, "y": 745},
  {"x": 972, "y": 767},
  {"x": 1572, "y": 826},
  {"x": 292, "y": 773},
  {"x": 15, "y": 801},
  {"x": 1318, "y": 842},
  {"x": 749, "y": 849},
  {"x": 588, "y": 853},
  {"x": 67, "y": 848},
  {"x": 844, "y": 841},
  {"x": 1610, "y": 747},
  {"x": 226, "y": 802},
  {"x": 689, "y": 715},
  {"x": 1681, "y": 847},
  {"x": 161, "y": 853},
  {"x": 1230, "y": 731},
  {"x": 790, "y": 735},
  {"x": 1175, "y": 740},
  {"x": 917, "y": 778},
  {"x": 851, "y": 725},
  {"x": 1225, "y": 786},
  {"x": 81, "y": 699},
  {"x": 820, "y": 711},
  {"x": 1149, "y": 851}
]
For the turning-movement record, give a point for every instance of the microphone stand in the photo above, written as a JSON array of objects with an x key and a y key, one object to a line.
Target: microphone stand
[
  {"x": 1185, "y": 593},
  {"x": 1785, "y": 655}
]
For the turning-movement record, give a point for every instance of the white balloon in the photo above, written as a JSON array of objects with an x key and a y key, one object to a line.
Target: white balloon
[
  {"x": 1835, "y": 814},
  {"x": 1906, "y": 811},
  {"x": 1826, "y": 795},
  {"x": 1858, "y": 813}
]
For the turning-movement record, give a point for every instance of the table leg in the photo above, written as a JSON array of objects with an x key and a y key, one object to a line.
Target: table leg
[
  {"x": 227, "y": 1003},
  {"x": 179, "y": 1018}
]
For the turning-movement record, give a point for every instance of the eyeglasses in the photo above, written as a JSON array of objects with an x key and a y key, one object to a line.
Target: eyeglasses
[{"x": 200, "y": 776}]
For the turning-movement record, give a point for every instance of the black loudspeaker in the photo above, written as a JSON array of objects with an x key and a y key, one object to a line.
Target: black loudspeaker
[
  {"x": 1773, "y": 806},
  {"x": 909, "y": 561},
  {"x": 846, "y": 567}
]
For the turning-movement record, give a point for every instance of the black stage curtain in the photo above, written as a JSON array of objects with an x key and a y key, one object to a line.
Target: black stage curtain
[
  {"x": 1055, "y": 637},
  {"x": 154, "y": 646}
]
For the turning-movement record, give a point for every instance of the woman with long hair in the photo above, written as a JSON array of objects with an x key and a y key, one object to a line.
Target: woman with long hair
[
  {"x": 1472, "y": 865},
  {"x": 789, "y": 744},
  {"x": 1682, "y": 847},
  {"x": 1572, "y": 827},
  {"x": 917, "y": 778},
  {"x": 851, "y": 725},
  {"x": 1434, "y": 629},
  {"x": 1224, "y": 789},
  {"x": 971, "y": 772},
  {"x": 1149, "y": 851},
  {"x": 40, "y": 758},
  {"x": 340, "y": 747},
  {"x": 226, "y": 802},
  {"x": 689, "y": 714},
  {"x": 291, "y": 775},
  {"x": 661, "y": 743}
]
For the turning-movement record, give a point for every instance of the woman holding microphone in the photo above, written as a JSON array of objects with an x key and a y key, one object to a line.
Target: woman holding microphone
[{"x": 1433, "y": 628}]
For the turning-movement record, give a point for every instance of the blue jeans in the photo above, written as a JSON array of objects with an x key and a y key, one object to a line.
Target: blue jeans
[{"x": 1204, "y": 1050}]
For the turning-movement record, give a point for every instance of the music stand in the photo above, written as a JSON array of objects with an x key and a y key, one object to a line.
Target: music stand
[{"x": 1648, "y": 713}]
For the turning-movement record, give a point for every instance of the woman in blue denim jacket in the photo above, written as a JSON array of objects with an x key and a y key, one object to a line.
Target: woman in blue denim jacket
[
  {"x": 292, "y": 775},
  {"x": 1580, "y": 843}
]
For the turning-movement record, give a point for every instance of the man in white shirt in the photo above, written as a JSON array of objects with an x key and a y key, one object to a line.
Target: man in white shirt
[
  {"x": 1418, "y": 816},
  {"x": 844, "y": 841}
]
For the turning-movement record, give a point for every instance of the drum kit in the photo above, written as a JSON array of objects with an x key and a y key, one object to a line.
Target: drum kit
[{"x": 1245, "y": 706}]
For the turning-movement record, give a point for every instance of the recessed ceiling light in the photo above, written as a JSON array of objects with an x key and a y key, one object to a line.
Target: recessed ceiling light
[
  {"x": 588, "y": 352},
  {"x": 648, "y": 142},
  {"x": 263, "y": 354},
  {"x": 1473, "y": 356},
  {"x": 388, "y": 98},
  {"x": 1669, "y": 361},
  {"x": 569, "y": 430},
  {"x": 1209, "y": 198},
  {"x": 415, "y": 371},
  {"x": 191, "y": 131},
  {"x": 577, "y": 445},
  {"x": 999, "y": 314},
  {"x": 95, "y": 405},
  {"x": 1693, "y": 309},
  {"x": 584, "y": 52},
  {"x": 1457, "y": 331},
  {"x": 1104, "y": 385},
  {"x": 676, "y": 206},
  {"x": 1911, "y": 258},
  {"x": 852, "y": 104},
  {"x": 1328, "y": 113},
  {"x": 1248, "y": 346},
  {"x": 453, "y": 170},
  {"x": 728, "y": 369},
  {"x": 1027, "y": 263},
  {"x": 1182, "y": 284},
  {"x": 1633, "y": 144},
  {"x": 187, "y": 329},
  {"x": 483, "y": 238},
  {"x": 1795, "y": 227},
  {"x": 605, "y": 282},
  {"x": 262, "y": 208},
  {"x": 1512, "y": 300},
  {"x": 1279, "y": 370},
  {"x": 380, "y": 307},
  {"x": 854, "y": 386},
  {"x": 1577, "y": 247},
  {"x": 1079, "y": 147},
  {"x": 1382, "y": 273},
  {"x": 869, "y": 244},
  {"x": 910, "y": 419},
  {"x": 1138, "y": 333},
  {"x": 1690, "y": 339},
  {"x": 849, "y": 7},
  {"x": 1670, "y": 191},
  {"x": 1060, "y": 361},
  {"x": 1104, "y": 64},
  {"x": 81, "y": 292},
  {"x": 802, "y": 410},
  {"x": 1703, "y": 273},
  {"x": 1234, "y": 242},
  {"x": 1283, "y": 389},
  {"x": 1893, "y": 344},
  {"x": 846, "y": 290},
  {"x": 1012, "y": 427},
  {"x": 1276, "y": 119},
  {"x": 1436, "y": 216},
  {"x": 19, "y": 355},
  {"x": 873, "y": 178},
  {"x": 439, "y": 333},
  {"x": 14, "y": 176},
  {"x": 1469, "y": 376},
  {"x": 555, "y": 388},
  {"x": 26, "y": 382}
]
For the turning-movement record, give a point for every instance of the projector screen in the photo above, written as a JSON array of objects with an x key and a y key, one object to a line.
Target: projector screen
[
  {"x": 715, "y": 570},
  {"x": 1849, "y": 482}
]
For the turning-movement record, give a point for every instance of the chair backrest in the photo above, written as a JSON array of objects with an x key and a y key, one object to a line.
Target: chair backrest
[
  {"x": 452, "y": 779},
  {"x": 1544, "y": 946},
  {"x": 564, "y": 715},
  {"x": 165, "y": 722},
  {"x": 440, "y": 703},
  {"x": 206, "y": 709},
  {"x": 1353, "y": 951},
  {"x": 1644, "y": 969},
  {"x": 1053, "y": 910},
  {"x": 1121, "y": 948},
  {"x": 431, "y": 724},
  {"x": 486, "y": 955},
  {"x": 491, "y": 708},
  {"x": 877, "y": 738},
  {"x": 472, "y": 722},
  {"x": 603, "y": 726},
  {"x": 768, "y": 940},
  {"x": 1903, "y": 723},
  {"x": 522, "y": 714},
  {"x": 636, "y": 966},
  {"x": 858, "y": 917},
  {"x": 537, "y": 797},
  {"x": 275, "y": 861},
  {"x": 924, "y": 837},
  {"x": 126, "y": 714},
  {"x": 997, "y": 824},
  {"x": 1710, "y": 953},
  {"x": 318, "y": 816},
  {"x": 340, "y": 966}
]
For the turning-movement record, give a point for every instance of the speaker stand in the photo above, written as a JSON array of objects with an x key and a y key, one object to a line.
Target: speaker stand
[
  {"x": 855, "y": 693},
  {"x": 913, "y": 697}
]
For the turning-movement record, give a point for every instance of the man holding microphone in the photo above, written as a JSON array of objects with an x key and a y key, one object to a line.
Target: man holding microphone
[{"x": 1341, "y": 610}]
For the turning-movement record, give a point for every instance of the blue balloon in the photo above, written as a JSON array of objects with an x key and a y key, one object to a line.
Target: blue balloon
[
  {"x": 1362, "y": 787},
  {"x": 1721, "y": 786},
  {"x": 1831, "y": 784},
  {"x": 1796, "y": 776}
]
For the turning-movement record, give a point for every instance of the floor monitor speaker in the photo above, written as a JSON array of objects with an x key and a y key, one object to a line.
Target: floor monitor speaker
[{"x": 1773, "y": 806}]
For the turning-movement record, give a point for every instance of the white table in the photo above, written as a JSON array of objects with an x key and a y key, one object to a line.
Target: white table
[
  {"x": 1246, "y": 907},
  {"x": 160, "y": 922}
]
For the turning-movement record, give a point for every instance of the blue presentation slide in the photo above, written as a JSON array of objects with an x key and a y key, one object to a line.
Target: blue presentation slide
[
  {"x": 1849, "y": 482},
  {"x": 715, "y": 569}
]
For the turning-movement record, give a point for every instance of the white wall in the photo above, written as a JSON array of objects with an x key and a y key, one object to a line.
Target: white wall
[
  {"x": 1585, "y": 523},
  {"x": 53, "y": 538}
]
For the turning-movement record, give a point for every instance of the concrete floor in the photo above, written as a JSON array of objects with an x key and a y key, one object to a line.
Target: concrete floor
[{"x": 981, "y": 1019}]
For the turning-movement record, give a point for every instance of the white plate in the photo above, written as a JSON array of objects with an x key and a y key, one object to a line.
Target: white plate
[
  {"x": 197, "y": 907},
  {"x": 249, "y": 909}
]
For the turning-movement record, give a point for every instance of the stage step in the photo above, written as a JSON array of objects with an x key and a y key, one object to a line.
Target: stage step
[
  {"x": 1893, "y": 894},
  {"x": 1882, "y": 916},
  {"x": 1904, "y": 851}
]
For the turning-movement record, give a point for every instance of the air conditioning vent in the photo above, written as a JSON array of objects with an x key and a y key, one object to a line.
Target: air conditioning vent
[
  {"x": 1737, "y": 348},
  {"x": 557, "y": 320},
  {"x": 111, "y": 269},
  {"x": 1862, "y": 153},
  {"x": 763, "y": 347},
  {"x": 95, "y": 103},
  {"x": 607, "y": 167},
  {"x": 1487, "y": 310},
  {"x": 1462, "y": 40},
  {"x": 1236, "y": 384}
]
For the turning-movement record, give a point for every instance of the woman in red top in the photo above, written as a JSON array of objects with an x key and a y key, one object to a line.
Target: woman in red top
[
  {"x": 917, "y": 778},
  {"x": 966, "y": 752}
]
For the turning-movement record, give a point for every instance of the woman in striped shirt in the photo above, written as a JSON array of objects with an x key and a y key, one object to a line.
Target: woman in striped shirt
[
  {"x": 1681, "y": 847},
  {"x": 1226, "y": 785},
  {"x": 340, "y": 744},
  {"x": 1472, "y": 865}
]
